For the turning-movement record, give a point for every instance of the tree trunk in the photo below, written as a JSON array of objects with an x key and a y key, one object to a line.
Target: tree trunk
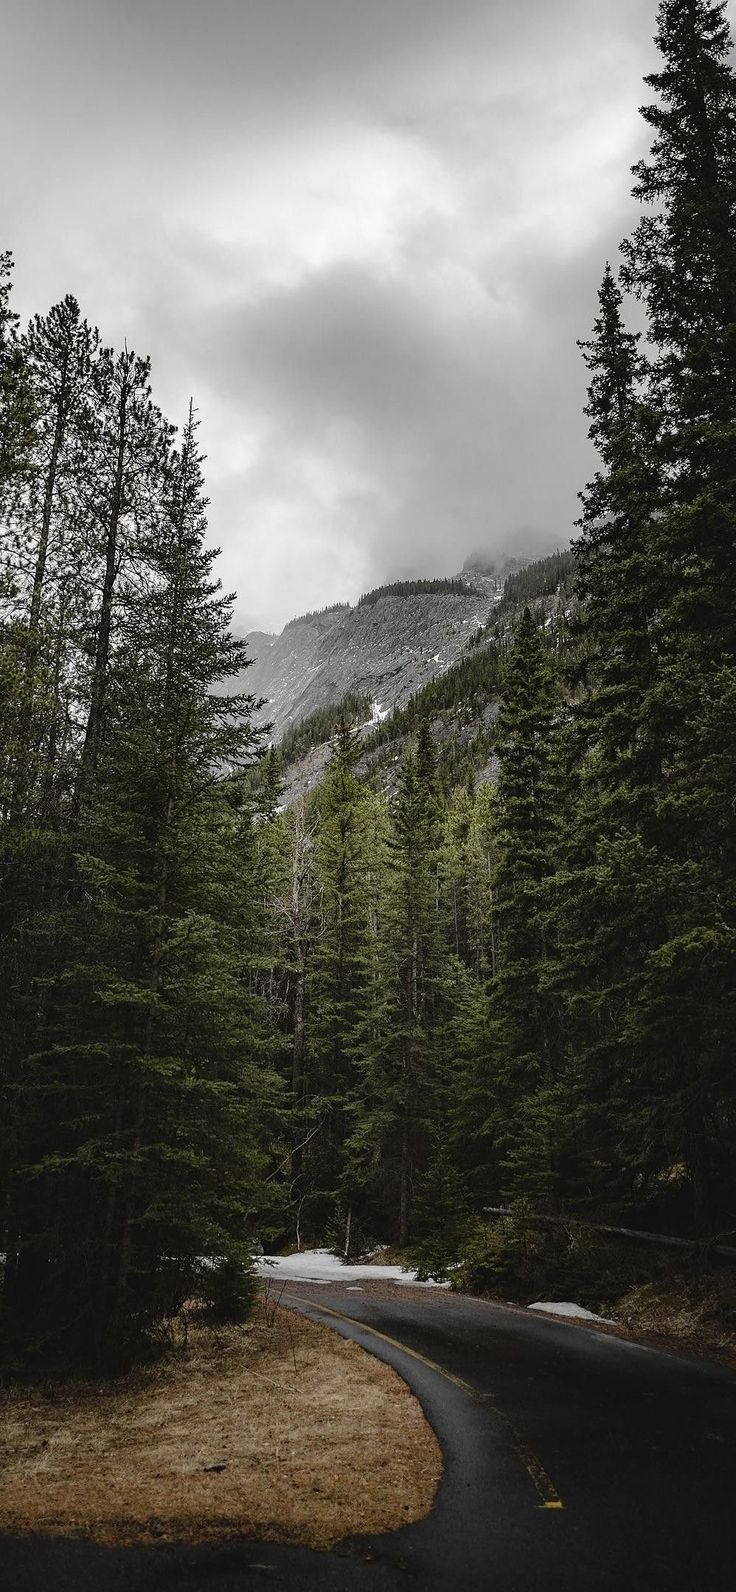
[
  {"x": 62, "y": 415},
  {"x": 404, "y": 1187},
  {"x": 697, "y": 1166},
  {"x": 298, "y": 1058},
  {"x": 104, "y": 632},
  {"x": 128, "y": 1191}
]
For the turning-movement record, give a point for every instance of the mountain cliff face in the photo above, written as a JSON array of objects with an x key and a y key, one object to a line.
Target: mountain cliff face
[
  {"x": 385, "y": 649},
  {"x": 458, "y": 688}
]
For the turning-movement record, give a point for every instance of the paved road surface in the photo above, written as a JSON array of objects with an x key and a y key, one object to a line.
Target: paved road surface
[{"x": 574, "y": 1460}]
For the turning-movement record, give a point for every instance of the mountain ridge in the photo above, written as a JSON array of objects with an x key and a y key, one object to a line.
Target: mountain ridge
[
  {"x": 459, "y": 700},
  {"x": 385, "y": 648}
]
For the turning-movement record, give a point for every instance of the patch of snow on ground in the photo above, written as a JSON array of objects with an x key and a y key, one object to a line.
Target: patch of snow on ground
[
  {"x": 564, "y": 1308},
  {"x": 320, "y": 1265}
]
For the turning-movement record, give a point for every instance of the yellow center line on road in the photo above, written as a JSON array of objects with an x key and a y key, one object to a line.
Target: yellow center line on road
[{"x": 534, "y": 1468}]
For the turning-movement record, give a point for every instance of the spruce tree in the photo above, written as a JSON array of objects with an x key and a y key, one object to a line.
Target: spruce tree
[
  {"x": 647, "y": 903},
  {"x": 523, "y": 1069},
  {"x": 607, "y": 891},
  {"x": 43, "y": 379},
  {"x": 127, "y": 454},
  {"x": 398, "y": 1100},
  {"x": 16, "y": 399},
  {"x": 681, "y": 262},
  {"x": 137, "y": 1152},
  {"x": 59, "y": 350},
  {"x": 338, "y": 971},
  {"x": 286, "y": 843},
  {"x": 618, "y": 572}
]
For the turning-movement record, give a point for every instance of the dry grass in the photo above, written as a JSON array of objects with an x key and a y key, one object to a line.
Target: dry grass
[
  {"x": 678, "y": 1302},
  {"x": 285, "y": 1432},
  {"x": 697, "y": 1313}
]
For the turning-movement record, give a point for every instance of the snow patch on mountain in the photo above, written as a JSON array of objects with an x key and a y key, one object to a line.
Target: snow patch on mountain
[{"x": 386, "y": 650}]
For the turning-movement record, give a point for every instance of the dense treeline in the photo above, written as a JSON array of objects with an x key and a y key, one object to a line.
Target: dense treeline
[
  {"x": 321, "y": 725},
  {"x": 466, "y": 687},
  {"x": 368, "y": 1018},
  {"x": 462, "y": 692},
  {"x": 542, "y": 578},
  {"x": 536, "y": 1002},
  {"x": 137, "y": 1099},
  {"x": 645, "y": 903},
  {"x": 417, "y": 588},
  {"x": 534, "y": 585},
  {"x": 317, "y": 613}
]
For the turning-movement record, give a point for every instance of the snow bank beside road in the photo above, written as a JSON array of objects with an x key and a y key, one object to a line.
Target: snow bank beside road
[
  {"x": 576, "y": 1312},
  {"x": 320, "y": 1265}
]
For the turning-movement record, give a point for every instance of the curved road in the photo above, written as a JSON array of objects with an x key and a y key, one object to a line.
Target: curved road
[{"x": 574, "y": 1460}]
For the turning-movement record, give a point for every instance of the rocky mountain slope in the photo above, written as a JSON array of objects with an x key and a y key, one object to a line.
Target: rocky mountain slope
[
  {"x": 459, "y": 701},
  {"x": 385, "y": 648}
]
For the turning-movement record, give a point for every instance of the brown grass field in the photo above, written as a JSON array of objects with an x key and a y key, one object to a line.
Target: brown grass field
[{"x": 279, "y": 1430}]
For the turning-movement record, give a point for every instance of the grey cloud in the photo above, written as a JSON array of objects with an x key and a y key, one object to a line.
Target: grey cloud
[
  {"x": 107, "y": 73},
  {"x": 463, "y": 435},
  {"x": 385, "y": 402}
]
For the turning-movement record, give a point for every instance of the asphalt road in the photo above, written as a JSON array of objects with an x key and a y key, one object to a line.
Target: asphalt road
[{"x": 574, "y": 1460}]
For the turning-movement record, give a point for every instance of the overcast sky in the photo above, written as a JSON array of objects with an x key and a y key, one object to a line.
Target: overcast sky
[{"x": 364, "y": 234}]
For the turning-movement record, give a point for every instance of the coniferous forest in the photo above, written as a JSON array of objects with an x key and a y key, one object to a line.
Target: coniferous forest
[{"x": 369, "y": 1018}]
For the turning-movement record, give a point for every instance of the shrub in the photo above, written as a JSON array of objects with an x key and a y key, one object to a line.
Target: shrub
[{"x": 228, "y": 1286}]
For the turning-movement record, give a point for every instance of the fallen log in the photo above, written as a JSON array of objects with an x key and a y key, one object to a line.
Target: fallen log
[{"x": 636, "y": 1235}]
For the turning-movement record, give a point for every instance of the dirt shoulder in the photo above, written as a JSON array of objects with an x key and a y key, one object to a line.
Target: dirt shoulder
[{"x": 284, "y": 1431}]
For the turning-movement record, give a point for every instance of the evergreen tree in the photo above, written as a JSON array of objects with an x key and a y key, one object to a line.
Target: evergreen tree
[
  {"x": 42, "y": 380},
  {"x": 524, "y": 1068},
  {"x": 681, "y": 261},
  {"x": 441, "y": 1219},
  {"x": 128, "y": 453},
  {"x": 647, "y": 900},
  {"x": 619, "y": 578},
  {"x": 339, "y": 961},
  {"x": 398, "y": 1096},
  {"x": 480, "y": 885},
  {"x": 287, "y": 846},
  {"x": 16, "y": 399},
  {"x": 607, "y": 891},
  {"x": 454, "y": 874},
  {"x": 59, "y": 350},
  {"x": 137, "y": 1152}
]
